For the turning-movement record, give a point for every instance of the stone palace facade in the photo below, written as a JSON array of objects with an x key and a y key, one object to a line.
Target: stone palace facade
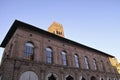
[{"x": 34, "y": 54}]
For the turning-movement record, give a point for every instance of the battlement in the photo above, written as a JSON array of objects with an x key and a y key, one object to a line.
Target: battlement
[{"x": 56, "y": 28}]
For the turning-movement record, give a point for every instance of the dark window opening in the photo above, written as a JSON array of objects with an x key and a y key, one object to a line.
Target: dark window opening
[
  {"x": 93, "y": 78},
  {"x": 52, "y": 77},
  {"x": 83, "y": 78},
  {"x": 69, "y": 78}
]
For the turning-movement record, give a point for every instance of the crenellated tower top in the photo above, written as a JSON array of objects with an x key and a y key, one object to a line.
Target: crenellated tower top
[{"x": 56, "y": 28}]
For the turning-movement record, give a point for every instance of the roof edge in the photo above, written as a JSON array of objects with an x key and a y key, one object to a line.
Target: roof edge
[{"x": 18, "y": 23}]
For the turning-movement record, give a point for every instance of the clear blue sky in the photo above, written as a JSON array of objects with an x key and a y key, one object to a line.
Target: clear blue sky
[{"x": 95, "y": 23}]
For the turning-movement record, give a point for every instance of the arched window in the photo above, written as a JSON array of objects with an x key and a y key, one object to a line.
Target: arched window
[
  {"x": 101, "y": 78},
  {"x": 29, "y": 51},
  {"x": 49, "y": 55},
  {"x": 86, "y": 62},
  {"x": 102, "y": 65},
  {"x": 69, "y": 78},
  {"x": 108, "y": 78},
  {"x": 93, "y": 78},
  {"x": 82, "y": 78},
  {"x": 76, "y": 60},
  {"x": 94, "y": 64},
  {"x": 28, "y": 75},
  {"x": 52, "y": 77},
  {"x": 64, "y": 58},
  {"x": 114, "y": 79}
]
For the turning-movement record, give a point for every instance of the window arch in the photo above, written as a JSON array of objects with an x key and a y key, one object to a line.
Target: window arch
[
  {"x": 114, "y": 78},
  {"x": 86, "y": 62},
  {"x": 101, "y": 78},
  {"x": 82, "y": 78},
  {"x": 108, "y": 78},
  {"x": 28, "y": 75},
  {"x": 94, "y": 64},
  {"x": 51, "y": 76},
  {"x": 93, "y": 78},
  {"x": 49, "y": 55},
  {"x": 29, "y": 51},
  {"x": 64, "y": 58},
  {"x": 102, "y": 65},
  {"x": 69, "y": 78},
  {"x": 76, "y": 60}
]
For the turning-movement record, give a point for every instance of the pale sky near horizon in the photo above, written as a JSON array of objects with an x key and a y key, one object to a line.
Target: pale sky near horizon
[{"x": 95, "y": 23}]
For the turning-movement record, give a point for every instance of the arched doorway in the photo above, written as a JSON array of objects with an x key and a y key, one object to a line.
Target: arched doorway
[
  {"x": 28, "y": 75},
  {"x": 69, "y": 78},
  {"x": 93, "y": 78}
]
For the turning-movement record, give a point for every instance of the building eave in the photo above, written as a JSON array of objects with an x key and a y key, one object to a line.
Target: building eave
[{"x": 17, "y": 24}]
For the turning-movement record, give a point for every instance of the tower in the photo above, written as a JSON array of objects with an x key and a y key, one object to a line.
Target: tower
[{"x": 56, "y": 28}]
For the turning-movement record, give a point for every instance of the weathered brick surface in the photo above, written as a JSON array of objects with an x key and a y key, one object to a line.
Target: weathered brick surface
[{"x": 15, "y": 65}]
